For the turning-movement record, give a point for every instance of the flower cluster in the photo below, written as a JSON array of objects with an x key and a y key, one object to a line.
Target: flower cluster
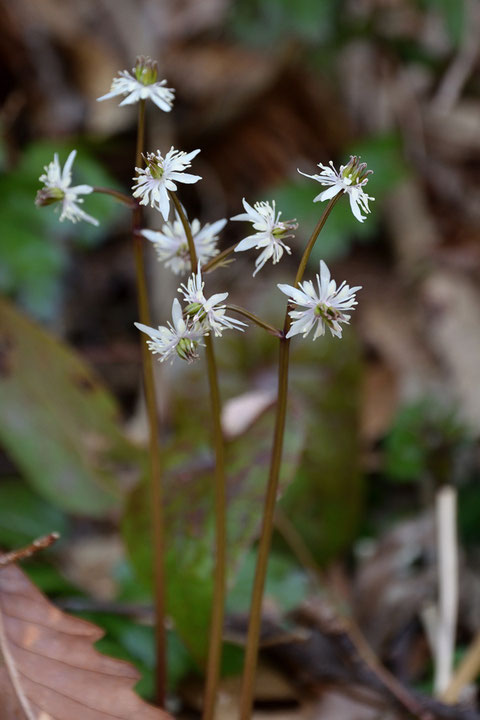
[
  {"x": 270, "y": 232},
  {"x": 160, "y": 175},
  {"x": 200, "y": 316},
  {"x": 57, "y": 189},
  {"x": 350, "y": 179},
  {"x": 171, "y": 243},
  {"x": 324, "y": 308},
  {"x": 141, "y": 85},
  {"x": 316, "y": 307}
]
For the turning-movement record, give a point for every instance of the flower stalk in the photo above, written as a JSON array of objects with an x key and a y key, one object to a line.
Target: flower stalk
[
  {"x": 156, "y": 487},
  {"x": 251, "y": 650},
  {"x": 218, "y": 607}
]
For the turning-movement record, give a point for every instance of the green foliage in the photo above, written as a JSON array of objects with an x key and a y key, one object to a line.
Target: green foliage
[
  {"x": 262, "y": 22},
  {"x": 57, "y": 422},
  {"x": 24, "y": 515},
  {"x": 286, "y": 583},
  {"x": 426, "y": 439},
  {"x": 33, "y": 251},
  {"x": 189, "y": 522},
  {"x": 453, "y": 13}
]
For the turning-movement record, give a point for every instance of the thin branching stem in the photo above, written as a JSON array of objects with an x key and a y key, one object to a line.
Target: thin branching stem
[
  {"x": 255, "y": 319},
  {"x": 218, "y": 608},
  {"x": 156, "y": 487},
  {"x": 118, "y": 196},
  {"x": 218, "y": 259},
  {"x": 251, "y": 650}
]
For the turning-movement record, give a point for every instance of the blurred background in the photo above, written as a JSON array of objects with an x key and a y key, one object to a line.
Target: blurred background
[{"x": 379, "y": 420}]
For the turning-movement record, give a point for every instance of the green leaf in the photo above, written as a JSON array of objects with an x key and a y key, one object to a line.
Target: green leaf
[
  {"x": 190, "y": 522},
  {"x": 57, "y": 422},
  {"x": 24, "y": 515}
]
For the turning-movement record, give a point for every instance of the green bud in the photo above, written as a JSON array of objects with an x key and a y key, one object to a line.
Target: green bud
[
  {"x": 195, "y": 310},
  {"x": 49, "y": 196},
  {"x": 186, "y": 349},
  {"x": 146, "y": 70}
]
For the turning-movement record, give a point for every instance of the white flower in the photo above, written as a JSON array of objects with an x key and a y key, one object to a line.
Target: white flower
[
  {"x": 160, "y": 175},
  {"x": 172, "y": 247},
  {"x": 141, "y": 85},
  {"x": 180, "y": 338},
  {"x": 270, "y": 232},
  {"x": 209, "y": 312},
  {"x": 57, "y": 189},
  {"x": 323, "y": 308},
  {"x": 351, "y": 178}
]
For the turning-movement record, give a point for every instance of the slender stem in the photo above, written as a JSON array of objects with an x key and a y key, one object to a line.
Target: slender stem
[
  {"x": 218, "y": 259},
  {"x": 187, "y": 229},
  {"x": 121, "y": 197},
  {"x": 313, "y": 239},
  {"x": 251, "y": 651},
  {"x": 218, "y": 608},
  {"x": 254, "y": 318},
  {"x": 156, "y": 488}
]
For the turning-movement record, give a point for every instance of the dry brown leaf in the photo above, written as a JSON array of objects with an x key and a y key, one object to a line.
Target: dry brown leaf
[{"x": 49, "y": 669}]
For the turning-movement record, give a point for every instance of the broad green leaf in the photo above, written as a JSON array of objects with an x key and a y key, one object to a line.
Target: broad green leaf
[
  {"x": 24, "y": 515},
  {"x": 190, "y": 522},
  {"x": 57, "y": 422}
]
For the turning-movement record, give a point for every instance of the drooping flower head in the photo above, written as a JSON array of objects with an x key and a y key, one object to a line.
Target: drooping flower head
[
  {"x": 351, "y": 179},
  {"x": 57, "y": 189},
  {"x": 141, "y": 85},
  {"x": 172, "y": 247},
  {"x": 180, "y": 337},
  {"x": 270, "y": 235},
  {"x": 160, "y": 175},
  {"x": 208, "y": 312},
  {"x": 325, "y": 306}
]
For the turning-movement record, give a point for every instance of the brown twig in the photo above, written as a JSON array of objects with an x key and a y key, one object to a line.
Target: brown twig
[{"x": 41, "y": 543}]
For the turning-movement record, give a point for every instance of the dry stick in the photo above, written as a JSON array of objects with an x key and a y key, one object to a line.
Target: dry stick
[
  {"x": 251, "y": 651},
  {"x": 218, "y": 608},
  {"x": 41, "y": 543},
  {"x": 465, "y": 674},
  {"x": 446, "y": 620},
  {"x": 349, "y": 626},
  {"x": 156, "y": 488}
]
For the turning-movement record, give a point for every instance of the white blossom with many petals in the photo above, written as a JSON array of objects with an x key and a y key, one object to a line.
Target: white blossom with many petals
[
  {"x": 180, "y": 337},
  {"x": 326, "y": 307},
  {"x": 351, "y": 179},
  {"x": 210, "y": 312},
  {"x": 160, "y": 175},
  {"x": 171, "y": 243},
  {"x": 57, "y": 189},
  {"x": 142, "y": 85},
  {"x": 270, "y": 232}
]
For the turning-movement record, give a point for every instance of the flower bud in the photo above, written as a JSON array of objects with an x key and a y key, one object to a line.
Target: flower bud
[
  {"x": 49, "y": 196},
  {"x": 146, "y": 70},
  {"x": 187, "y": 349}
]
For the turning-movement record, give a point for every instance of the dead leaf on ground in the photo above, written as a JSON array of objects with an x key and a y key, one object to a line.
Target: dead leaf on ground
[{"x": 49, "y": 669}]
